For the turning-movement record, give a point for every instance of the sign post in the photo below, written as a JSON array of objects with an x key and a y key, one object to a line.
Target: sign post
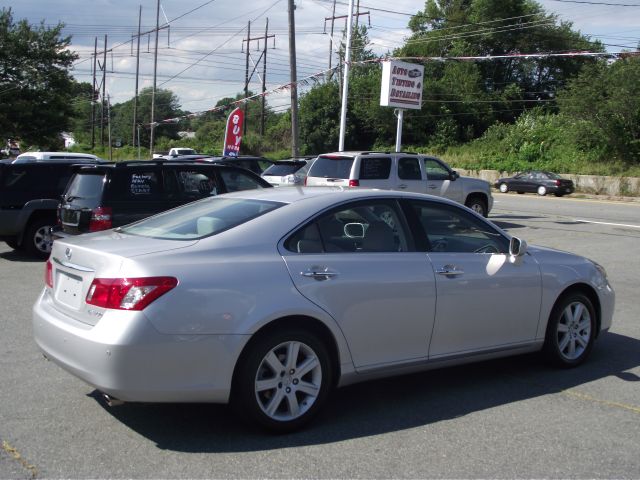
[
  {"x": 233, "y": 133},
  {"x": 401, "y": 87}
]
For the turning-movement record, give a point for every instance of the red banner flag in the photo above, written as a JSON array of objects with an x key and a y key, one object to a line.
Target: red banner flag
[{"x": 233, "y": 133}]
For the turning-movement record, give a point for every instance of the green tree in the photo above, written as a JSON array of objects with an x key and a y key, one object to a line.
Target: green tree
[
  {"x": 36, "y": 89},
  {"x": 604, "y": 103},
  {"x": 167, "y": 107}
]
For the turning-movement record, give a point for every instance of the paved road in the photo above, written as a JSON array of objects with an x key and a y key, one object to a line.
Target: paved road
[{"x": 506, "y": 418}]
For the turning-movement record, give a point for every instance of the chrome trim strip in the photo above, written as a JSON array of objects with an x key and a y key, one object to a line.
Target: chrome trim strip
[{"x": 72, "y": 266}]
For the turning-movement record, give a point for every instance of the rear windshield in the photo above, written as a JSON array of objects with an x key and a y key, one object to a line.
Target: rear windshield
[
  {"x": 85, "y": 187},
  {"x": 200, "y": 219},
  {"x": 282, "y": 170},
  {"x": 331, "y": 167}
]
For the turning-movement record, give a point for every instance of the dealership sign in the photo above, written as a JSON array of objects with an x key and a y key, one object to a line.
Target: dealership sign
[
  {"x": 401, "y": 85},
  {"x": 233, "y": 133}
]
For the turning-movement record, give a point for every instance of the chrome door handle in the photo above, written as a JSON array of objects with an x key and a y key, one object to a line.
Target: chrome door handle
[
  {"x": 449, "y": 270},
  {"x": 432, "y": 187},
  {"x": 319, "y": 273},
  {"x": 402, "y": 186}
]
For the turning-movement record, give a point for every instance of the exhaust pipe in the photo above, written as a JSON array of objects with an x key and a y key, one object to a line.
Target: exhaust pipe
[{"x": 111, "y": 401}]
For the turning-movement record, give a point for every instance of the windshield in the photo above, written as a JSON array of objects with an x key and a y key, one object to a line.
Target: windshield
[{"x": 201, "y": 219}]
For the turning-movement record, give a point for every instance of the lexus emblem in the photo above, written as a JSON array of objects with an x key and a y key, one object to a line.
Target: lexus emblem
[{"x": 67, "y": 253}]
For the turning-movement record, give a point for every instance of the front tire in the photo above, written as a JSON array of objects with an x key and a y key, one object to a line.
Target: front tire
[
  {"x": 283, "y": 380},
  {"x": 542, "y": 190},
  {"x": 571, "y": 331},
  {"x": 478, "y": 205}
]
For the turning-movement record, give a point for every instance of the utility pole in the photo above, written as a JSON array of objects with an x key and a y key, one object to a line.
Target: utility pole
[
  {"x": 246, "y": 79},
  {"x": 104, "y": 86},
  {"x": 294, "y": 81},
  {"x": 345, "y": 89},
  {"x": 109, "y": 127},
  {"x": 249, "y": 76},
  {"x": 264, "y": 78},
  {"x": 155, "y": 73},
  {"x": 93, "y": 96},
  {"x": 333, "y": 19},
  {"x": 135, "y": 97}
]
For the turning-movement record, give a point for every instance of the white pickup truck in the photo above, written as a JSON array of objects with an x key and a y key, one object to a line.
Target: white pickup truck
[{"x": 400, "y": 171}]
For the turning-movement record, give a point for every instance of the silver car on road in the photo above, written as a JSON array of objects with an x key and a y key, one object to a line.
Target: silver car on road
[{"x": 268, "y": 299}]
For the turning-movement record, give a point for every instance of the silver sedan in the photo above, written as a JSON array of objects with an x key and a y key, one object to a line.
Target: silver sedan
[{"x": 269, "y": 299}]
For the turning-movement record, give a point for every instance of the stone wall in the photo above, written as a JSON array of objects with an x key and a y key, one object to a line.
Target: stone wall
[{"x": 591, "y": 184}]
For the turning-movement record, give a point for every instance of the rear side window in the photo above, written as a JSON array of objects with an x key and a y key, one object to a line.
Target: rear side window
[
  {"x": 138, "y": 184},
  {"x": 375, "y": 168},
  {"x": 201, "y": 219},
  {"x": 36, "y": 181},
  {"x": 331, "y": 167},
  {"x": 190, "y": 184},
  {"x": 409, "y": 168}
]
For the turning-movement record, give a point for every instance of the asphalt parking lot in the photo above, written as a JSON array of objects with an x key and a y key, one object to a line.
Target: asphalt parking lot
[{"x": 506, "y": 418}]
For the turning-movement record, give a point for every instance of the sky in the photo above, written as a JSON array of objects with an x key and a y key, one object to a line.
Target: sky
[{"x": 202, "y": 56}]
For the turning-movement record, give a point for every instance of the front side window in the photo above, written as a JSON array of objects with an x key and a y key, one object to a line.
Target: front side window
[
  {"x": 372, "y": 226},
  {"x": 200, "y": 219},
  {"x": 436, "y": 170},
  {"x": 450, "y": 229}
]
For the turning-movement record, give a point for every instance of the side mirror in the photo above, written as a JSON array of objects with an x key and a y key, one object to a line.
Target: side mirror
[
  {"x": 455, "y": 175},
  {"x": 354, "y": 230},
  {"x": 517, "y": 247}
]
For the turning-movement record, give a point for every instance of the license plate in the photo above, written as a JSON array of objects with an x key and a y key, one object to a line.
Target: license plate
[
  {"x": 71, "y": 219},
  {"x": 69, "y": 290}
]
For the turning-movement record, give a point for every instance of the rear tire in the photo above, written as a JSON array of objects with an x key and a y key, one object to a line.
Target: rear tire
[
  {"x": 478, "y": 205},
  {"x": 283, "y": 380},
  {"x": 37, "y": 238},
  {"x": 504, "y": 188},
  {"x": 571, "y": 331}
]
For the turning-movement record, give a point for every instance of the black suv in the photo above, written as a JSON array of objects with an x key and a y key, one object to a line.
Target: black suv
[
  {"x": 100, "y": 197},
  {"x": 29, "y": 197}
]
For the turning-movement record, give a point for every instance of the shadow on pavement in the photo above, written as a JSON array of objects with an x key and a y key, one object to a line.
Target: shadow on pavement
[{"x": 381, "y": 406}]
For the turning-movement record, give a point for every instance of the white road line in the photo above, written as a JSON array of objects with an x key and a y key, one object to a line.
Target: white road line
[{"x": 607, "y": 223}]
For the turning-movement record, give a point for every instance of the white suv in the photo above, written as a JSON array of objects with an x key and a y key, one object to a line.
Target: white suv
[{"x": 400, "y": 171}]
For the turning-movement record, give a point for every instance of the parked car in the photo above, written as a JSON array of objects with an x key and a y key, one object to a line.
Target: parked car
[
  {"x": 400, "y": 171},
  {"x": 29, "y": 198},
  {"x": 100, "y": 197},
  {"x": 290, "y": 172},
  {"x": 536, "y": 181},
  {"x": 255, "y": 164},
  {"x": 65, "y": 157},
  {"x": 269, "y": 298}
]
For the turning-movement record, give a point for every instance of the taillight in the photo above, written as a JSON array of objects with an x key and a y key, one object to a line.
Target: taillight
[
  {"x": 305, "y": 181},
  {"x": 128, "y": 293},
  {"x": 48, "y": 274},
  {"x": 354, "y": 183},
  {"x": 558, "y": 183},
  {"x": 100, "y": 219}
]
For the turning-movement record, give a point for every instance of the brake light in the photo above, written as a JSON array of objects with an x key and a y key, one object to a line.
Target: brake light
[
  {"x": 48, "y": 274},
  {"x": 100, "y": 219},
  {"x": 305, "y": 181},
  {"x": 558, "y": 183},
  {"x": 128, "y": 293},
  {"x": 354, "y": 183}
]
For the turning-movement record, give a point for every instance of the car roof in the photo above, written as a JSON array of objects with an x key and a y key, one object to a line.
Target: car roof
[{"x": 328, "y": 195}]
